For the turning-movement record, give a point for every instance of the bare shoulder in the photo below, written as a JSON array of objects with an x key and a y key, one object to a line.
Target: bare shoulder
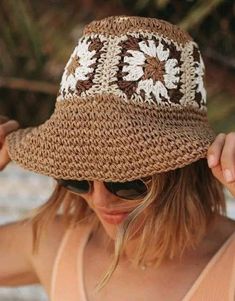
[
  {"x": 224, "y": 227},
  {"x": 227, "y": 224},
  {"x": 50, "y": 241},
  {"x": 19, "y": 265}
]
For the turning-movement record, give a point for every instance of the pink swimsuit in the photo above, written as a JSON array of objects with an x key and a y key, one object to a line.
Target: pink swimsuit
[{"x": 215, "y": 283}]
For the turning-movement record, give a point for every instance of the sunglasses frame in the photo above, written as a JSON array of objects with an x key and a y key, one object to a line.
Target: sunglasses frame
[{"x": 62, "y": 182}]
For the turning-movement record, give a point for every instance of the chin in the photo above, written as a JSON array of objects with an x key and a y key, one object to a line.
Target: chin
[{"x": 110, "y": 230}]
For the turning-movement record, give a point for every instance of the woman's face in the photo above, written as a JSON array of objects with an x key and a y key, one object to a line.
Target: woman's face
[{"x": 110, "y": 209}]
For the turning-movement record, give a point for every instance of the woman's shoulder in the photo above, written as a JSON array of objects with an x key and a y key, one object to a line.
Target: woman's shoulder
[
  {"x": 49, "y": 244},
  {"x": 225, "y": 225},
  {"x": 229, "y": 230},
  {"x": 223, "y": 230}
]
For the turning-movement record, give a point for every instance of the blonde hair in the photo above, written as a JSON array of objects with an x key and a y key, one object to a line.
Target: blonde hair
[{"x": 179, "y": 207}]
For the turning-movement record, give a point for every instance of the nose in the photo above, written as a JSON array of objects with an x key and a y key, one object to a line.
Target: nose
[{"x": 101, "y": 197}]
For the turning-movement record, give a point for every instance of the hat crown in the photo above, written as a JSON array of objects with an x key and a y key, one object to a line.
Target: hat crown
[
  {"x": 131, "y": 104},
  {"x": 137, "y": 59},
  {"x": 119, "y": 25}
]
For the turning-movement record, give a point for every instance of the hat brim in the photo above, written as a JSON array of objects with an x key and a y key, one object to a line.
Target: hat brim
[{"x": 102, "y": 140}]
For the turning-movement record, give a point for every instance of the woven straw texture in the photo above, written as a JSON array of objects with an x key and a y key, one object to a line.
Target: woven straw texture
[{"x": 131, "y": 103}]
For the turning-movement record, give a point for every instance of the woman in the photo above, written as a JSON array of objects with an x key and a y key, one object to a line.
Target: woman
[{"x": 136, "y": 214}]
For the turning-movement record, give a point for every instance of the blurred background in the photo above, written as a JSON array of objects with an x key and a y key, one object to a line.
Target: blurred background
[{"x": 36, "y": 40}]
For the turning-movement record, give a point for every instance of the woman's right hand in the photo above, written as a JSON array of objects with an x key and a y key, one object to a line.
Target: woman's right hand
[{"x": 6, "y": 126}]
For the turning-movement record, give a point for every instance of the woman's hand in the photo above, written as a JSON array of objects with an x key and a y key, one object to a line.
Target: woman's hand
[
  {"x": 221, "y": 160},
  {"x": 6, "y": 126}
]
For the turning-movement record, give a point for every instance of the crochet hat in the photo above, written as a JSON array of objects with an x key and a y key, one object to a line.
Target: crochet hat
[{"x": 131, "y": 104}]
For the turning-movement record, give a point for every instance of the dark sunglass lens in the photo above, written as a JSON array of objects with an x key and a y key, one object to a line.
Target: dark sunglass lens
[
  {"x": 128, "y": 190},
  {"x": 76, "y": 186}
]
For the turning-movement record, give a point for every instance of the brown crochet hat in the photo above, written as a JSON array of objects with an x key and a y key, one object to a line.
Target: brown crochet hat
[{"x": 131, "y": 104}]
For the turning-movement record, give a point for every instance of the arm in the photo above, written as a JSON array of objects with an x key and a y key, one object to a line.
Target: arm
[{"x": 16, "y": 264}]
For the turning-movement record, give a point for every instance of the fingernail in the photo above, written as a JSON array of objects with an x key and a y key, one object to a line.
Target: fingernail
[
  {"x": 211, "y": 161},
  {"x": 228, "y": 175}
]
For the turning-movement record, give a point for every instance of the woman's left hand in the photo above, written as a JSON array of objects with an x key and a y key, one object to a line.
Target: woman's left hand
[{"x": 221, "y": 160}]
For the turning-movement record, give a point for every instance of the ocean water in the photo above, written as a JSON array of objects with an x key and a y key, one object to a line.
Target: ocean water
[{"x": 20, "y": 191}]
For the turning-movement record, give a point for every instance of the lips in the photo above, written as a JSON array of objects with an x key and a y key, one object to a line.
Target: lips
[
  {"x": 112, "y": 212},
  {"x": 113, "y": 217}
]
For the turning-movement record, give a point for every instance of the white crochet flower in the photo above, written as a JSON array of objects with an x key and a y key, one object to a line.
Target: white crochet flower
[
  {"x": 78, "y": 66},
  {"x": 163, "y": 64},
  {"x": 199, "y": 71}
]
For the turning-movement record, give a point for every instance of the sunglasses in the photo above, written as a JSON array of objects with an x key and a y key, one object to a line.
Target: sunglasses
[{"x": 132, "y": 190}]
